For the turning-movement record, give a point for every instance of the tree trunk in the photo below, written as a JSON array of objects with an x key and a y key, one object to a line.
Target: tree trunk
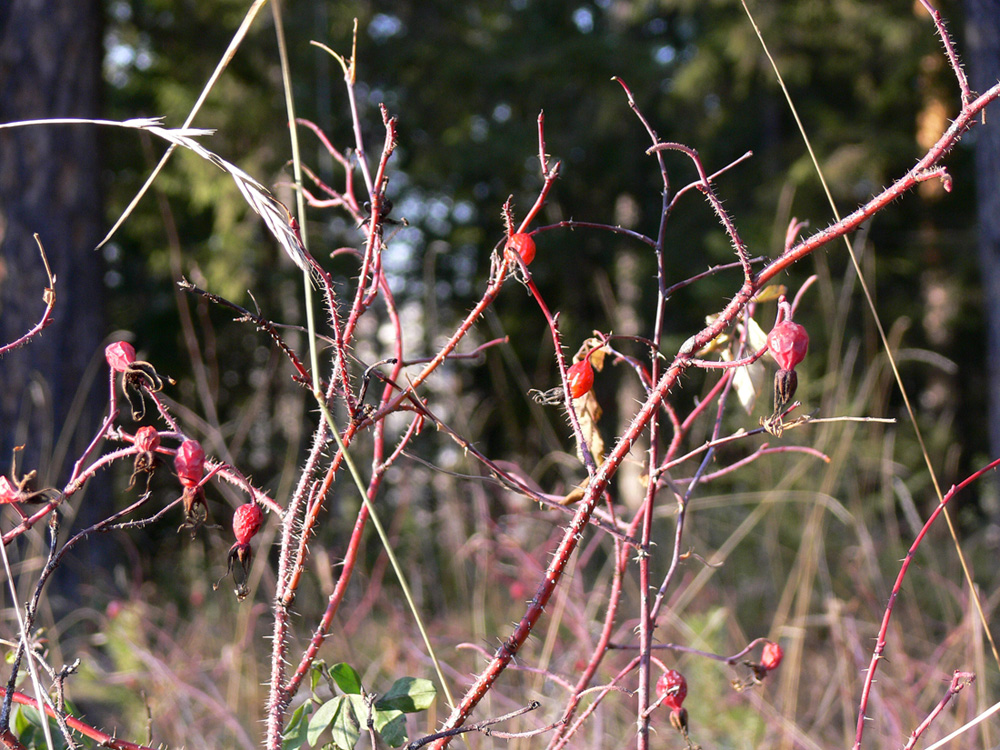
[
  {"x": 50, "y": 66},
  {"x": 983, "y": 52}
]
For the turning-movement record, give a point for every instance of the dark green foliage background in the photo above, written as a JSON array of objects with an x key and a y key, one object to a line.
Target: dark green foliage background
[{"x": 467, "y": 81}]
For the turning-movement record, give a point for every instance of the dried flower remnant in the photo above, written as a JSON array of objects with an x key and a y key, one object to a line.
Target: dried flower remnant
[
  {"x": 16, "y": 490},
  {"x": 246, "y": 523},
  {"x": 137, "y": 376}
]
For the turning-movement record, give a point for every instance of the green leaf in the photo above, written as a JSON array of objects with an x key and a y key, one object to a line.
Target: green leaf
[
  {"x": 316, "y": 674},
  {"x": 346, "y": 678},
  {"x": 391, "y": 726},
  {"x": 30, "y": 732},
  {"x": 360, "y": 708},
  {"x": 21, "y": 723},
  {"x": 323, "y": 718},
  {"x": 408, "y": 694},
  {"x": 345, "y": 727},
  {"x": 295, "y": 733}
]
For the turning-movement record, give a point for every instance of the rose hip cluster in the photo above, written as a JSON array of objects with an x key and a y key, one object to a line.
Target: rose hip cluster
[
  {"x": 672, "y": 688},
  {"x": 140, "y": 378}
]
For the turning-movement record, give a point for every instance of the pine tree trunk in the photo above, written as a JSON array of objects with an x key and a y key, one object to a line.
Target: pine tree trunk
[
  {"x": 50, "y": 66},
  {"x": 983, "y": 54}
]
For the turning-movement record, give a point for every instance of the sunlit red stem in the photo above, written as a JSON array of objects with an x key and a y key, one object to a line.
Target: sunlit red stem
[
  {"x": 884, "y": 629},
  {"x": 105, "y": 740}
]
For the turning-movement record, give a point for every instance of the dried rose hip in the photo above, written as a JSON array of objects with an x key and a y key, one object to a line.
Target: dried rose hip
[
  {"x": 9, "y": 493},
  {"x": 672, "y": 688},
  {"x": 15, "y": 490},
  {"x": 190, "y": 465},
  {"x": 137, "y": 376},
  {"x": 246, "y": 522},
  {"x": 147, "y": 440},
  {"x": 120, "y": 355}
]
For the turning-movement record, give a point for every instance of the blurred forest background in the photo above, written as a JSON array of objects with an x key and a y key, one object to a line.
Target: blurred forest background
[{"x": 467, "y": 81}]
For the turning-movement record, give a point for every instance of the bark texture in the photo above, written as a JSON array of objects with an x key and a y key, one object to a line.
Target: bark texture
[
  {"x": 983, "y": 54},
  {"x": 50, "y": 66}
]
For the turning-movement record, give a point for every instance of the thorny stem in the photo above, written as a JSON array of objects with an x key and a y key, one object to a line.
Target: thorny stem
[
  {"x": 959, "y": 681},
  {"x": 965, "y": 120},
  {"x": 49, "y": 296},
  {"x": 104, "y": 739},
  {"x": 949, "y": 49},
  {"x": 600, "y": 649},
  {"x": 705, "y": 186},
  {"x": 750, "y": 286},
  {"x": 880, "y": 643},
  {"x": 302, "y": 513}
]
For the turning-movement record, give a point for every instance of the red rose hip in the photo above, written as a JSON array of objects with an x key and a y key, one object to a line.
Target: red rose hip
[
  {"x": 672, "y": 685},
  {"x": 788, "y": 343},
  {"x": 246, "y": 522},
  {"x": 771, "y": 657},
  {"x": 119, "y": 355},
  {"x": 522, "y": 244},
  {"x": 580, "y": 378},
  {"x": 190, "y": 463}
]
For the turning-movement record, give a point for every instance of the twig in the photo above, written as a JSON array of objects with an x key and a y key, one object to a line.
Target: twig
[
  {"x": 883, "y": 630},
  {"x": 48, "y": 296}
]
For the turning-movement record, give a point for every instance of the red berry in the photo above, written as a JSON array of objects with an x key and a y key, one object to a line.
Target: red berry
[
  {"x": 672, "y": 685},
  {"x": 772, "y": 656},
  {"x": 246, "y": 522},
  {"x": 788, "y": 343},
  {"x": 190, "y": 463},
  {"x": 119, "y": 355},
  {"x": 580, "y": 378},
  {"x": 523, "y": 245},
  {"x": 147, "y": 439}
]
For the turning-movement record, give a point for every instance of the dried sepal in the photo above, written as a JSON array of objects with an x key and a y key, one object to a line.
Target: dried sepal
[
  {"x": 147, "y": 440},
  {"x": 137, "y": 376},
  {"x": 195, "y": 510},
  {"x": 16, "y": 490},
  {"x": 786, "y": 382}
]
